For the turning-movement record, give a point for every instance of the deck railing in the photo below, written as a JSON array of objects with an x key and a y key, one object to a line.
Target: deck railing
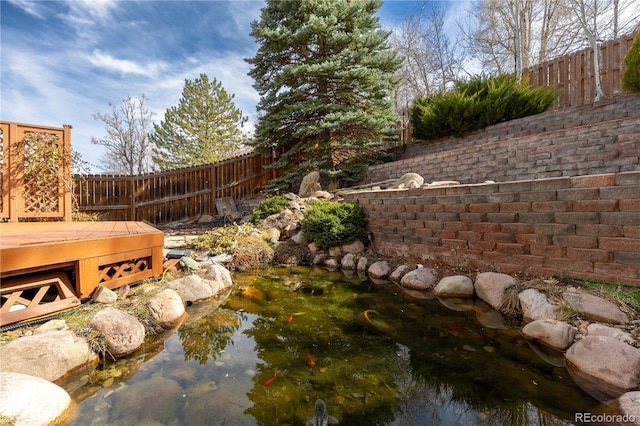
[
  {"x": 574, "y": 77},
  {"x": 35, "y": 178},
  {"x": 173, "y": 195}
]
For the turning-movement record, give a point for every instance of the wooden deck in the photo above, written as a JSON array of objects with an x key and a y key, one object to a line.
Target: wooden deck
[{"x": 49, "y": 266}]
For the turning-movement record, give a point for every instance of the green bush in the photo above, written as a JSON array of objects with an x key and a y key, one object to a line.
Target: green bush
[
  {"x": 476, "y": 104},
  {"x": 330, "y": 224},
  {"x": 631, "y": 76},
  {"x": 268, "y": 207}
]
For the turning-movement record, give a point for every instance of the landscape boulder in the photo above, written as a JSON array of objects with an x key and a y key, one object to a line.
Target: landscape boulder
[
  {"x": 595, "y": 308},
  {"x": 166, "y": 307},
  {"x": 62, "y": 350},
  {"x": 629, "y": 407},
  {"x": 535, "y": 305},
  {"x": 122, "y": 332},
  {"x": 220, "y": 275},
  {"x": 550, "y": 332},
  {"x": 422, "y": 279},
  {"x": 310, "y": 184},
  {"x": 379, "y": 270},
  {"x": 29, "y": 400},
  {"x": 597, "y": 329},
  {"x": 355, "y": 247},
  {"x": 348, "y": 262},
  {"x": 454, "y": 286},
  {"x": 193, "y": 287},
  {"x": 398, "y": 273},
  {"x": 408, "y": 180},
  {"x": 491, "y": 287},
  {"x": 604, "y": 367}
]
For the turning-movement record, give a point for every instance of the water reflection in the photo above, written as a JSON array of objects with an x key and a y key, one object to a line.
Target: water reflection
[{"x": 375, "y": 355}]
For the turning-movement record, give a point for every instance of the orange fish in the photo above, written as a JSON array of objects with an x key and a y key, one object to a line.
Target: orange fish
[
  {"x": 271, "y": 380},
  {"x": 290, "y": 319},
  {"x": 310, "y": 360}
]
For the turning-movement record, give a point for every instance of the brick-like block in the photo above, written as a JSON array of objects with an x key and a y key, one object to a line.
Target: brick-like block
[
  {"x": 630, "y": 257},
  {"x": 620, "y": 192},
  {"x": 548, "y": 251},
  {"x": 532, "y": 196},
  {"x": 628, "y": 178},
  {"x": 499, "y": 237},
  {"x": 590, "y": 255},
  {"x": 502, "y": 217},
  {"x": 595, "y": 205},
  {"x": 577, "y": 217},
  {"x": 580, "y": 193},
  {"x": 406, "y": 216},
  {"x": 593, "y": 180},
  {"x": 576, "y": 241},
  {"x": 569, "y": 264},
  {"x": 630, "y": 205},
  {"x": 554, "y": 228},
  {"x": 620, "y": 218},
  {"x": 536, "y": 217},
  {"x": 517, "y": 228},
  {"x": 599, "y": 230},
  {"x": 619, "y": 244},
  {"x": 533, "y": 239},
  {"x": 631, "y": 231},
  {"x": 454, "y": 243},
  {"x": 551, "y": 206},
  {"x": 618, "y": 269},
  {"x": 512, "y": 248},
  {"x": 515, "y": 207},
  {"x": 484, "y": 227},
  {"x": 484, "y": 208}
]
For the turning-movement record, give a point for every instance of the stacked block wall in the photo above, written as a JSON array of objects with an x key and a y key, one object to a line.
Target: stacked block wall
[{"x": 584, "y": 226}]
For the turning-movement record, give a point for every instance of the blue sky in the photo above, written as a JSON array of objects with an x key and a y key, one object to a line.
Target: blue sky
[{"x": 63, "y": 61}]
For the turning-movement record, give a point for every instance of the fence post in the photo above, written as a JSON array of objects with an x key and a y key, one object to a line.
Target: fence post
[
  {"x": 67, "y": 181},
  {"x": 212, "y": 189},
  {"x": 132, "y": 196}
]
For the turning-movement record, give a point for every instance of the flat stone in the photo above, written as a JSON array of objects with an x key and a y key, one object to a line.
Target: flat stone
[
  {"x": 454, "y": 286},
  {"x": 104, "y": 295},
  {"x": 355, "y": 247},
  {"x": 595, "y": 308},
  {"x": 422, "y": 279},
  {"x": 535, "y": 305},
  {"x": 52, "y": 325},
  {"x": 550, "y": 332},
  {"x": 597, "y": 329},
  {"x": 30, "y": 400},
  {"x": 491, "y": 286},
  {"x": 604, "y": 367},
  {"x": 62, "y": 350}
]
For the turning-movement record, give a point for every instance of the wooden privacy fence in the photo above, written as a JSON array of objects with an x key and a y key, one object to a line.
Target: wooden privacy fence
[
  {"x": 574, "y": 77},
  {"x": 172, "y": 195},
  {"x": 35, "y": 176}
]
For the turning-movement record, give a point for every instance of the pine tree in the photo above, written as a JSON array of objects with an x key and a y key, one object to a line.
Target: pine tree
[
  {"x": 324, "y": 72},
  {"x": 204, "y": 128}
]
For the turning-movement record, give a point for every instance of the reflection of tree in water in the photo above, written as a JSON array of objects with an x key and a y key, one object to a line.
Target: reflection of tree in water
[
  {"x": 351, "y": 371},
  {"x": 208, "y": 336}
]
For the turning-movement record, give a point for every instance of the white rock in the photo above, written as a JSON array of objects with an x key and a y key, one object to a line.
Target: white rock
[
  {"x": 454, "y": 286},
  {"x": 379, "y": 270},
  {"x": 420, "y": 279},
  {"x": 491, "y": 286},
  {"x": 535, "y": 306},
  {"x": 550, "y": 332}
]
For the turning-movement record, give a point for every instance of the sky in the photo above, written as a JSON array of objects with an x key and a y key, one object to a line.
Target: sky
[{"x": 61, "y": 62}]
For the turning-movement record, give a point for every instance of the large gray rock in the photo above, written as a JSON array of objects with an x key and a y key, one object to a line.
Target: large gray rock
[
  {"x": 166, "y": 307},
  {"x": 362, "y": 264},
  {"x": 454, "y": 286},
  {"x": 32, "y": 401},
  {"x": 550, "y": 332},
  {"x": 595, "y": 308},
  {"x": 123, "y": 333},
  {"x": 398, "y": 273},
  {"x": 379, "y": 270},
  {"x": 536, "y": 306},
  {"x": 219, "y": 274},
  {"x": 604, "y": 367},
  {"x": 348, "y": 262},
  {"x": 355, "y": 247},
  {"x": 62, "y": 350},
  {"x": 408, "y": 180},
  {"x": 422, "y": 279},
  {"x": 491, "y": 287},
  {"x": 310, "y": 184},
  {"x": 193, "y": 287},
  {"x": 629, "y": 406}
]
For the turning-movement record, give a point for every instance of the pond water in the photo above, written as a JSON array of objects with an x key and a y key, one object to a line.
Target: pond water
[{"x": 375, "y": 354}]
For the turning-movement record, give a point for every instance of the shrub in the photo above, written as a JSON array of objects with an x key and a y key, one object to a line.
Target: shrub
[
  {"x": 476, "y": 104},
  {"x": 631, "y": 76},
  {"x": 268, "y": 207},
  {"x": 330, "y": 224}
]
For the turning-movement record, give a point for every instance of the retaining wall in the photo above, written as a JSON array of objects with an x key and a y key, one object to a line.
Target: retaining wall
[
  {"x": 602, "y": 137},
  {"x": 584, "y": 226}
]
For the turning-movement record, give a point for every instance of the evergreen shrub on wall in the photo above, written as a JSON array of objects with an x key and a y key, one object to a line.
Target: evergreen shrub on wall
[
  {"x": 631, "y": 76},
  {"x": 476, "y": 104},
  {"x": 330, "y": 224}
]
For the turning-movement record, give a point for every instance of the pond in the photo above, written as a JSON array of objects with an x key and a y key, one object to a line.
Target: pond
[{"x": 375, "y": 354}]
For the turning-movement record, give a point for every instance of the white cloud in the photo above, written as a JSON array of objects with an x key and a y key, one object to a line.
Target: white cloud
[
  {"x": 30, "y": 7},
  {"x": 124, "y": 66}
]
